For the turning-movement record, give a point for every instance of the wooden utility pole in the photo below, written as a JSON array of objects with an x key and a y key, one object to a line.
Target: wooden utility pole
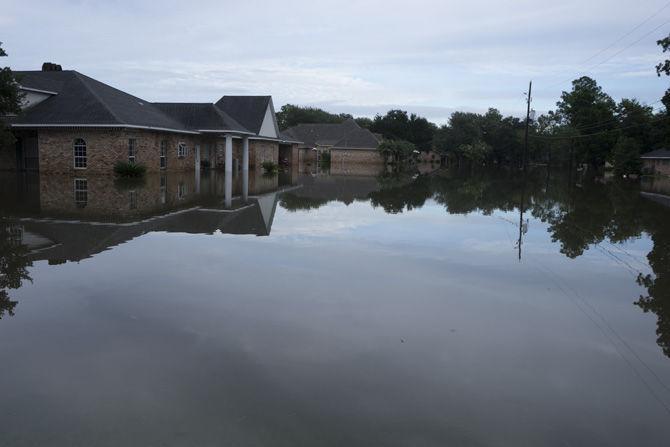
[{"x": 525, "y": 147}]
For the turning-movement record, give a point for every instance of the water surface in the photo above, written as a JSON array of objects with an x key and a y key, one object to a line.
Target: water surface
[{"x": 341, "y": 308}]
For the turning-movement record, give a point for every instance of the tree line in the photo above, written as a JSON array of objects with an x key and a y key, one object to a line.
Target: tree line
[{"x": 587, "y": 127}]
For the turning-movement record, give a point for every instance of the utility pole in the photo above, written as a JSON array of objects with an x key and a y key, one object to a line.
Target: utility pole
[
  {"x": 525, "y": 168},
  {"x": 525, "y": 148}
]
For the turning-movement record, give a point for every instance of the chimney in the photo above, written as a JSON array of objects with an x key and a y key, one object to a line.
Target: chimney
[{"x": 50, "y": 66}]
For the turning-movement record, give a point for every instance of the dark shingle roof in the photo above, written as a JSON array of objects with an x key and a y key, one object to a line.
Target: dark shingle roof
[
  {"x": 658, "y": 153},
  {"x": 247, "y": 110},
  {"x": 82, "y": 100},
  {"x": 200, "y": 116},
  {"x": 346, "y": 135}
]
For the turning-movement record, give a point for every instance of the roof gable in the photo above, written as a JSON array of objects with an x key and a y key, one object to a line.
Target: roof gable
[{"x": 247, "y": 110}]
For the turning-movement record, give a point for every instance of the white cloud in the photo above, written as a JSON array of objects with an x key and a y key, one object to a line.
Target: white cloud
[{"x": 435, "y": 56}]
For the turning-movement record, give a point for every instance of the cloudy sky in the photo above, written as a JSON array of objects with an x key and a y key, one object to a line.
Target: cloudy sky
[{"x": 362, "y": 57}]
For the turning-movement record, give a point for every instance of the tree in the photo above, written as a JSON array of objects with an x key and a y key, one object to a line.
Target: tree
[
  {"x": 398, "y": 125},
  {"x": 10, "y": 101},
  {"x": 364, "y": 122},
  {"x": 636, "y": 121},
  {"x": 476, "y": 152},
  {"x": 664, "y": 67},
  {"x": 590, "y": 111},
  {"x": 397, "y": 150},
  {"x": 291, "y": 115},
  {"x": 626, "y": 156}
]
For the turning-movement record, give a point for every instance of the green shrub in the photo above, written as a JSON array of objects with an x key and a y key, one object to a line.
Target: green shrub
[
  {"x": 270, "y": 167},
  {"x": 125, "y": 169},
  {"x": 325, "y": 158}
]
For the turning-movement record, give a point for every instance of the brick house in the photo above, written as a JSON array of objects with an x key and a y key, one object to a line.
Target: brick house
[
  {"x": 345, "y": 142},
  {"x": 71, "y": 123},
  {"x": 656, "y": 162}
]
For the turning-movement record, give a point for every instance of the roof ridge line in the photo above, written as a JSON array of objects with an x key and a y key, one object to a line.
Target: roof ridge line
[{"x": 92, "y": 92}]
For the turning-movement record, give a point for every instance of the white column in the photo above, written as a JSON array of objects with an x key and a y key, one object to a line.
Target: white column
[
  {"x": 245, "y": 153},
  {"x": 229, "y": 153}
]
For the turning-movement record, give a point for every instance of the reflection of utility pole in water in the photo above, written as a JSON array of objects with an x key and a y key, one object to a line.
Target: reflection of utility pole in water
[{"x": 523, "y": 227}]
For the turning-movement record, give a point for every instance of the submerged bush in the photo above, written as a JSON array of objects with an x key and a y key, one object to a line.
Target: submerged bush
[
  {"x": 125, "y": 169},
  {"x": 270, "y": 167}
]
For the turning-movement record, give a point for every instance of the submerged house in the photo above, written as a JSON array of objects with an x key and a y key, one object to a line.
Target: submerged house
[
  {"x": 344, "y": 142},
  {"x": 657, "y": 161},
  {"x": 73, "y": 123}
]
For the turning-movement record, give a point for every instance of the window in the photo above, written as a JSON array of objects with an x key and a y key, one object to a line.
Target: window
[
  {"x": 79, "y": 149},
  {"x": 181, "y": 150},
  {"x": 163, "y": 154},
  {"x": 181, "y": 190},
  {"x": 132, "y": 150},
  {"x": 163, "y": 189},
  {"x": 80, "y": 192},
  {"x": 132, "y": 199}
]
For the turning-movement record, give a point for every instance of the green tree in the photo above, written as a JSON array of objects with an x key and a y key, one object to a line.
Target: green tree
[
  {"x": 636, "y": 121},
  {"x": 364, "y": 122},
  {"x": 399, "y": 125},
  {"x": 10, "y": 102},
  {"x": 664, "y": 67},
  {"x": 591, "y": 112},
  {"x": 291, "y": 115},
  {"x": 626, "y": 156},
  {"x": 397, "y": 151}
]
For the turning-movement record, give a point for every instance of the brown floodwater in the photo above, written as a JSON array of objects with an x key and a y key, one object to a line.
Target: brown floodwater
[{"x": 341, "y": 308}]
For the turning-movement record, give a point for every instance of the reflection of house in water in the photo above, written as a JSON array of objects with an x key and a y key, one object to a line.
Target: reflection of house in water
[
  {"x": 75, "y": 218},
  {"x": 656, "y": 188}
]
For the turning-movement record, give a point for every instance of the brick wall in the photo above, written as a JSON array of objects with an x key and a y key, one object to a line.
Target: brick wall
[
  {"x": 105, "y": 147},
  {"x": 354, "y": 156},
  {"x": 260, "y": 151},
  {"x": 106, "y": 198},
  {"x": 657, "y": 166}
]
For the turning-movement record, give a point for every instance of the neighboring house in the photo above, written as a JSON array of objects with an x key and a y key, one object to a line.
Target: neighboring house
[
  {"x": 345, "y": 142},
  {"x": 657, "y": 161},
  {"x": 73, "y": 123}
]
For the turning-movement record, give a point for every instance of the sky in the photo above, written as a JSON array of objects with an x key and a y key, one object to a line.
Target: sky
[{"x": 360, "y": 57}]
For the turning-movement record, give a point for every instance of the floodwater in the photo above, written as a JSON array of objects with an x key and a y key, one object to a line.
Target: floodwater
[{"x": 349, "y": 308}]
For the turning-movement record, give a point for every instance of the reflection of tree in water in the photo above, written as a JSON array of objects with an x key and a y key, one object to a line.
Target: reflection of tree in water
[
  {"x": 579, "y": 215},
  {"x": 399, "y": 192},
  {"x": 657, "y": 299},
  {"x": 293, "y": 202},
  {"x": 13, "y": 266}
]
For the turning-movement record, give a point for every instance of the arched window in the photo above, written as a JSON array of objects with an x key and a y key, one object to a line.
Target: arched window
[{"x": 79, "y": 148}]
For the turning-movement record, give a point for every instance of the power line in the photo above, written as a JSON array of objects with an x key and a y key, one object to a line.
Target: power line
[
  {"x": 590, "y": 68},
  {"x": 592, "y": 134},
  {"x": 625, "y": 35}
]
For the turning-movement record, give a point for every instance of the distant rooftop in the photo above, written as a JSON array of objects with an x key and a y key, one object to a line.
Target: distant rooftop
[
  {"x": 345, "y": 135},
  {"x": 658, "y": 153}
]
